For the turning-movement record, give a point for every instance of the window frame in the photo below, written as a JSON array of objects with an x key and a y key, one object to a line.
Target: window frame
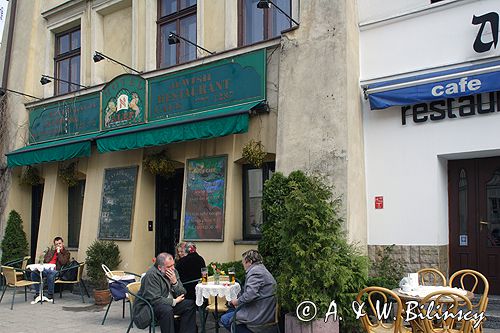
[
  {"x": 72, "y": 53},
  {"x": 176, "y": 17},
  {"x": 266, "y": 168},
  {"x": 267, "y": 24}
]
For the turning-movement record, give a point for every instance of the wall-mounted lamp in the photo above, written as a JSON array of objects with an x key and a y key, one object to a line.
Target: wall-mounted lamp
[
  {"x": 3, "y": 90},
  {"x": 47, "y": 79},
  {"x": 174, "y": 38},
  {"x": 266, "y": 4},
  {"x": 98, "y": 56}
]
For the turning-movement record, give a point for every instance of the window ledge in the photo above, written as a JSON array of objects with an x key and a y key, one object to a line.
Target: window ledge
[
  {"x": 74, "y": 249},
  {"x": 246, "y": 242}
]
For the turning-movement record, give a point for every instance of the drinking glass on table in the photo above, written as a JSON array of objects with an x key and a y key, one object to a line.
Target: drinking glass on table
[
  {"x": 232, "y": 277},
  {"x": 204, "y": 275}
]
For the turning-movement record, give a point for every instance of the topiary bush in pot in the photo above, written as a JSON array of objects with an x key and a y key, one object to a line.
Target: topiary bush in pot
[
  {"x": 14, "y": 243},
  {"x": 316, "y": 262}
]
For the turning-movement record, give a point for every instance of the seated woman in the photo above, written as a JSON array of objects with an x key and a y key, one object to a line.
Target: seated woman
[{"x": 189, "y": 267}]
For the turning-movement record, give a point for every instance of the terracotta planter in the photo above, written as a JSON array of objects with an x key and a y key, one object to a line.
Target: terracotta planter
[
  {"x": 102, "y": 297},
  {"x": 293, "y": 325}
]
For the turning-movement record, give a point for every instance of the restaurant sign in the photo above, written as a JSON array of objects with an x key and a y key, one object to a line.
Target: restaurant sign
[
  {"x": 65, "y": 118},
  {"x": 123, "y": 101},
  {"x": 227, "y": 82}
]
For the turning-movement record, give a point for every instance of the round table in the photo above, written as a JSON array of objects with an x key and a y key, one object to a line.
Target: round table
[
  {"x": 418, "y": 295},
  {"x": 223, "y": 289},
  {"x": 41, "y": 268}
]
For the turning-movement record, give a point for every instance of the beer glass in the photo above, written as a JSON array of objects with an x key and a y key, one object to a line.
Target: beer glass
[
  {"x": 232, "y": 277},
  {"x": 204, "y": 275}
]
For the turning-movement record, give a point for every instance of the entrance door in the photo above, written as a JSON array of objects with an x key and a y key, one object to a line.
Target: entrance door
[
  {"x": 168, "y": 211},
  {"x": 36, "y": 210},
  {"x": 474, "y": 194}
]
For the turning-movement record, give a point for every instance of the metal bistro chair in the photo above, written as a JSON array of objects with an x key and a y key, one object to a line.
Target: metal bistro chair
[
  {"x": 372, "y": 323},
  {"x": 271, "y": 327},
  {"x": 78, "y": 280},
  {"x": 12, "y": 281},
  {"x": 133, "y": 289},
  {"x": 431, "y": 277},
  {"x": 17, "y": 263},
  {"x": 121, "y": 295},
  {"x": 473, "y": 281}
]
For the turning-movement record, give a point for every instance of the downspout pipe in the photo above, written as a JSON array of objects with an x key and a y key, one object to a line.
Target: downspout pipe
[{"x": 8, "y": 50}]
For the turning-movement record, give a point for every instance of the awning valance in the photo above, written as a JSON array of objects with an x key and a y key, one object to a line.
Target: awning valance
[
  {"x": 52, "y": 151},
  {"x": 206, "y": 125},
  {"x": 469, "y": 80}
]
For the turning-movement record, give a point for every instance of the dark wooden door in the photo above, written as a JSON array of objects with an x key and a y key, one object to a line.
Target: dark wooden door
[
  {"x": 474, "y": 217},
  {"x": 36, "y": 209},
  {"x": 168, "y": 212}
]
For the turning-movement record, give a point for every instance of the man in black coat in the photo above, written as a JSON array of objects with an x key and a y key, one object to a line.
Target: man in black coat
[{"x": 189, "y": 268}]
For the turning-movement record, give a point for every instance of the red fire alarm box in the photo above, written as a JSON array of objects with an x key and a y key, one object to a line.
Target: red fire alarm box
[{"x": 379, "y": 202}]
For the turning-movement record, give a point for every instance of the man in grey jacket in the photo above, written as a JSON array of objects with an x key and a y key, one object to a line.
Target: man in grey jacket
[
  {"x": 162, "y": 288},
  {"x": 259, "y": 283}
]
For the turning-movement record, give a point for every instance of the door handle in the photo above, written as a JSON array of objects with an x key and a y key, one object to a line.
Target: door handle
[{"x": 483, "y": 223}]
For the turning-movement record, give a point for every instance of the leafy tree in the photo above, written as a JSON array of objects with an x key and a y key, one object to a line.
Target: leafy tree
[
  {"x": 14, "y": 243},
  {"x": 315, "y": 260}
]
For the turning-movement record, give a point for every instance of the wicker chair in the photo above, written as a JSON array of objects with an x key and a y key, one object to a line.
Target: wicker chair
[
  {"x": 270, "y": 327},
  {"x": 110, "y": 275},
  {"x": 12, "y": 281},
  {"x": 133, "y": 289},
  {"x": 78, "y": 280}
]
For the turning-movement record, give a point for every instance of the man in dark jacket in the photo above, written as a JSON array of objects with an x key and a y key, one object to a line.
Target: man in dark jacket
[
  {"x": 189, "y": 267},
  {"x": 161, "y": 286},
  {"x": 57, "y": 255},
  {"x": 259, "y": 283}
]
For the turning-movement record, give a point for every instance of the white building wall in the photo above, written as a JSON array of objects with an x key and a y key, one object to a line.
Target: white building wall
[{"x": 407, "y": 164}]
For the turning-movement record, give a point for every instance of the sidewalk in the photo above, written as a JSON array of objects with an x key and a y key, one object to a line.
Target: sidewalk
[{"x": 68, "y": 314}]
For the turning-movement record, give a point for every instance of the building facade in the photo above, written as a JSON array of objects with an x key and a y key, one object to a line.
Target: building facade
[
  {"x": 124, "y": 88},
  {"x": 430, "y": 74}
]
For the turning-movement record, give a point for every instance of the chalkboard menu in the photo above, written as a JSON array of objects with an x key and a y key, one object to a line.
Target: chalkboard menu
[
  {"x": 205, "y": 198},
  {"x": 117, "y": 203}
]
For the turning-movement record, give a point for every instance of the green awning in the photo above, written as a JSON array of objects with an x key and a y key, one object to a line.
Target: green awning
[
  {"x": 205, "y": 125},
  {"x": 52, "y": 151}
]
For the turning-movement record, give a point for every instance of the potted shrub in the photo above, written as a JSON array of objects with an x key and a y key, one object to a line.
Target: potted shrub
[
  {"x": 314, "y": 261},
  {"x": 98, "y": 253},
  {"x": 14, "y": 243}
]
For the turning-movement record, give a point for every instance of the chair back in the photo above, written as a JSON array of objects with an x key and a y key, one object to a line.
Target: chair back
[
  {"x": 474, "y": 282},
  {"x": 440, "y": 309},
  {"x": 133, "y": 289},
  {"x": 375, "y": 299},
  {"x": 10, "y": 275},
  {"x": 431, "y": 277},
  {"x": 25, "y": 262},
  {"x": 81, "y": 267}
]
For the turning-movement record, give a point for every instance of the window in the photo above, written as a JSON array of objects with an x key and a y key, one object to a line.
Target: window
[
  {"x": 253, "y": 183},
  {"x": 75, "y": 206},
  {"x": 178, "y": 16},
  {"x": 257, "y": 24},
  {"x": 67, "y": 61},
  {"x": 434, "y": 1}
]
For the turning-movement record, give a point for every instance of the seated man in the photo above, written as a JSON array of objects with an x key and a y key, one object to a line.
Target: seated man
[
  {"x": 189, "y": 267},
  {"x": 58, "y": 255},
  {"x": 161, "y": 286},
  {"x": 258, "y": 283}
]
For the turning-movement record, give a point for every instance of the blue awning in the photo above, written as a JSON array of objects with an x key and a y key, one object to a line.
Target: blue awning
[{"x": 469, "y": 80}]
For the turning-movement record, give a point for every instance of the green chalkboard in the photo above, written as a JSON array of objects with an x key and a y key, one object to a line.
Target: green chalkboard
[{"x": 117, "y": 203}]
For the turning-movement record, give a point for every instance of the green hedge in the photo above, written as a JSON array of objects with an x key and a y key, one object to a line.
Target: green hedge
[{"x": 238, "y": 269}]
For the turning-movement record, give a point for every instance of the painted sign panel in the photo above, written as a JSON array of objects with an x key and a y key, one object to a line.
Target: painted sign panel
[
  {"x": 231, "y": 81},
  {"x": 117, "y": 203},
  {"x": 69, "y": 117},
  {"x": 123, "y": 101},
  {"x": 205, "y": 199}
]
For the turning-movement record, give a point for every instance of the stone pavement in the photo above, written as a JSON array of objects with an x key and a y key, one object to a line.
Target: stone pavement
[{"x": 68, "y": 314}]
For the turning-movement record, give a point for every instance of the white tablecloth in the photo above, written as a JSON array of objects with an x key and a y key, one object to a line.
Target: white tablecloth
[
  {"x": 41, "y": 267},
  {"x": 210, "y": 289},
  {"x": 422, "y": 291}
]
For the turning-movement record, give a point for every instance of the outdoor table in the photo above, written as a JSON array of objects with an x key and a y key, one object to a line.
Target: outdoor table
[
  {"x": 40, "y": 268},
  {"x": 418, "y": 294},
  {"x": 229, "y": 291}
]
